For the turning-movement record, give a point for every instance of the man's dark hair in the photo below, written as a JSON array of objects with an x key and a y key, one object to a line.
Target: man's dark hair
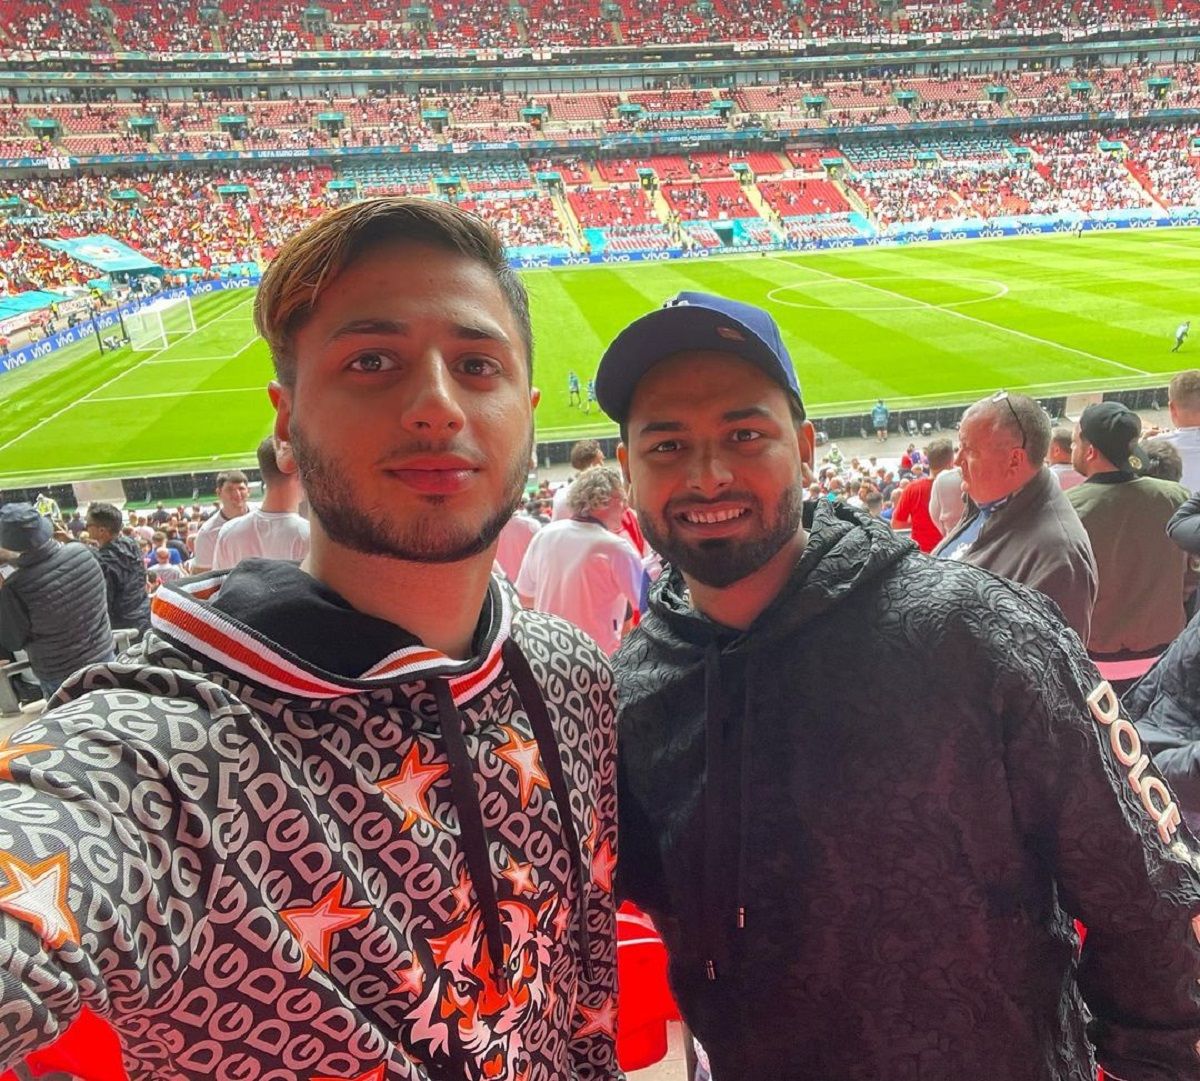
[
  {"x": 1164, "y": 462},
  {"x": 267, "y": 466},
  {"x": 106, "y": 516},
  {"x": 314, "y": 257},
  {"x": 1062, "y": 438},
  {"x": 235, "y": 476},
  {"x": 585, "y": 453}
]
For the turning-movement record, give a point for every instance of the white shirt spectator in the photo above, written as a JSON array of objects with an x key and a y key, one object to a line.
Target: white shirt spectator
[
  {"x": 1066, "y": 475},
  {"x": 559, "y": 508},
  {"x": 946, "y": 500},
  {"x": 577, "y": 569},
  {"x": 1187, "y": 442},
  {"x": 515, "y": 539},
  {"x": 261, "y": 533}
]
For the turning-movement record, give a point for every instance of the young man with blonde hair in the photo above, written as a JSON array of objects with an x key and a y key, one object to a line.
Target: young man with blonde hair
[
  {"x": 340, "y": 821},
  {"x": 1183, "y": 400}
]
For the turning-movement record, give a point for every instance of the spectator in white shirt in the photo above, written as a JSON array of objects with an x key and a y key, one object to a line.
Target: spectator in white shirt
[
  {"x": 515, "y": 539},
  {"x": 1060, "y": 459},
  {"x": 586, "y": 454},
  {"x": 233, "y": 493},
  {"x": 274, "y": 531},
  {"x": 1183, "y": 397},
  {"x": 579, "y": 568}
]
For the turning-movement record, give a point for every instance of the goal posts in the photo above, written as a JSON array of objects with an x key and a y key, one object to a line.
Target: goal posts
[{"x": 160, "y": 321}]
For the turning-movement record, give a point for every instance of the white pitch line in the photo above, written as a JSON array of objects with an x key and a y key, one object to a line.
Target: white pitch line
[
  {"x": 974, "y": 319},
  {"x": 120, "y": 375},
  {"x": 952, "y": 397},
  {"x": 260, "y": 389},
  {"x": 189, "y": 465}
]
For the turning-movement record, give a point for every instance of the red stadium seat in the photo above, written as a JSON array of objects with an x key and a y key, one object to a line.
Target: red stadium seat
[
  {"x": 644, "y": 1001},
  {"x": 89, "y": 1050}
]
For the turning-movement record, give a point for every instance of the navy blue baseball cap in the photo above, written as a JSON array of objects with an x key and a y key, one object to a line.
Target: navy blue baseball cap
[{"x": 691, "y": 322}]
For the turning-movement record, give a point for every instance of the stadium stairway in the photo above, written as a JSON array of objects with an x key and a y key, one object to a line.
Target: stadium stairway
[
  {"x": 662, "y": 208},
  {"x": 853, "y": 198},
  {"x": 567, "y": 219},
  {"x": 755, "y": 198}
]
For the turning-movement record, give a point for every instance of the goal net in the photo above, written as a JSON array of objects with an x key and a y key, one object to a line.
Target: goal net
[{"x": 159, "y": 321}]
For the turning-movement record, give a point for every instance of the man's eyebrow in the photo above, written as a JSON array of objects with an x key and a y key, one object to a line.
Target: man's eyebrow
[
  {"x": 462, "y": 331},
  {"x": 662, "y": 426},
  {"x": 368, "y": 326},
  {"x": 749, "y": 413},
  {"x": 480, "y": 333}
]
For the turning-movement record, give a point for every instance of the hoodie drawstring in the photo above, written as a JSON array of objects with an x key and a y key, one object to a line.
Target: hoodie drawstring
[
  {"x": 474, "y": 833},
  {"x": 543, "y": 733}
]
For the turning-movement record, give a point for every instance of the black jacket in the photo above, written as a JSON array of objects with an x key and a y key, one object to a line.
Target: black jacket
[
  {"x": 54, "y": 609},
  {"x": 863, "y": 827},
  {"x": 1165, "y": 704},
  {"x": 125, "y": 583},
  {"x": 1184, "y": 526}
]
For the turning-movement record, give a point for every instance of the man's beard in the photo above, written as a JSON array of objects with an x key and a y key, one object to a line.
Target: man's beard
[
  {"x": 436, "y": 536},
  {"x": 722, "y": 561}
]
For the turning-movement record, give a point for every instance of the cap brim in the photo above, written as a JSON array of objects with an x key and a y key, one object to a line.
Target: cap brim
[{"x": 663, "y": 333}]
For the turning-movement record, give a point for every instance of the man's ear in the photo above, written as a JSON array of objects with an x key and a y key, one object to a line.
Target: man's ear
[
  {"x": 623, "y": 461},
  {"x": 806, "y": 440},
  {"x": 281, "y": 433}
]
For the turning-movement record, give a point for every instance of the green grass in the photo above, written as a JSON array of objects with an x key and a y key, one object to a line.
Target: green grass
[{"x": 938, "y": 323}]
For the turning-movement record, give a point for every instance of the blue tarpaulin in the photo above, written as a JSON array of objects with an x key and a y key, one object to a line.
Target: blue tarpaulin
[{"x": 104, "y": 253}]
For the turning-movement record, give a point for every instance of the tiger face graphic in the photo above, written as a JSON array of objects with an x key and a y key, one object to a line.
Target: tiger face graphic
[{"x": 464, "y": 1023}]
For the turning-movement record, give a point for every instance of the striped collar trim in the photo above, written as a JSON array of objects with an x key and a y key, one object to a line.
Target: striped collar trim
[{"x": 180, "y": 612}]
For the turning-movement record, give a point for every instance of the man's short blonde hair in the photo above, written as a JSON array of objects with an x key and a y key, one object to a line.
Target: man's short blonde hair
[
  {"x": 308, "y": 262},
  {"x": 594, "y": 488},
  {"x": 1184, "y": 391}
]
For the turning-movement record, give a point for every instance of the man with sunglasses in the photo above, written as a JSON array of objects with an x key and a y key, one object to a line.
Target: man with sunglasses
[{"x": 1018, "y": 522}]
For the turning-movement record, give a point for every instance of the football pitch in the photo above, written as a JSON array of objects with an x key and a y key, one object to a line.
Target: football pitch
[{"x": 923, "y": 324}]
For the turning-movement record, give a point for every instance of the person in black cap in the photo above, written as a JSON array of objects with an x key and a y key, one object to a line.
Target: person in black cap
[
  {"x": 55, "y": 606},
  {"x": 1144, "y": 579},
  {"x": 870, "y": 878}
]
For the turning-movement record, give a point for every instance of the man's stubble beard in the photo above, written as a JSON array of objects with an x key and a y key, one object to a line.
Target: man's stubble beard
[
  {"x": 721, "y": 562},
  {"x": 430, "y": 539}
]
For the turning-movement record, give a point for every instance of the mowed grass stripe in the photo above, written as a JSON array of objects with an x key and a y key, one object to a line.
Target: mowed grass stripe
[{"x": 1014, "y": 325}]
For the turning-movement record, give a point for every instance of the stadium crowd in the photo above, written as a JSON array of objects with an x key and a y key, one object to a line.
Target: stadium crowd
[
  {"x": 88, "y": 128},
  {"x": 278, "y": 26}
]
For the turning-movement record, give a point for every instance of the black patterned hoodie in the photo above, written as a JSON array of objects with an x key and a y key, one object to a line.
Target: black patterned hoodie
[
  {"x": 289, "y": 841},
  {"x": 864, "y": 825}
]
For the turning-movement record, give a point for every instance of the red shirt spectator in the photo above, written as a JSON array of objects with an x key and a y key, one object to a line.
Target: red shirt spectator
[{"x": 913, "y": 510}]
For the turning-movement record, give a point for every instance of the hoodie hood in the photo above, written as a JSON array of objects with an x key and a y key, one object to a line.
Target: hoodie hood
[
  {"x": 271, "y": 623},
  {"x": 846, "y": 549}
]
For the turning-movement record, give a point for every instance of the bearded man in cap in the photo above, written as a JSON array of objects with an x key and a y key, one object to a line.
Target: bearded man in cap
[
  {"x": 1143, "y": 575},
  {"x": 870, "y": 878},
  {"x": 55, "y": 606}
]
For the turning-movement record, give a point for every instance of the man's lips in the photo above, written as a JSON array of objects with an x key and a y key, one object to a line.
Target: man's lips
[
  {"x": 440, "y": 475},
  {"x": 713, "y": 518}
]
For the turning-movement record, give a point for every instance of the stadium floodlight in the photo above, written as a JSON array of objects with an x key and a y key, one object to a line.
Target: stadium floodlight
[{"x": 155, "y": 324}]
